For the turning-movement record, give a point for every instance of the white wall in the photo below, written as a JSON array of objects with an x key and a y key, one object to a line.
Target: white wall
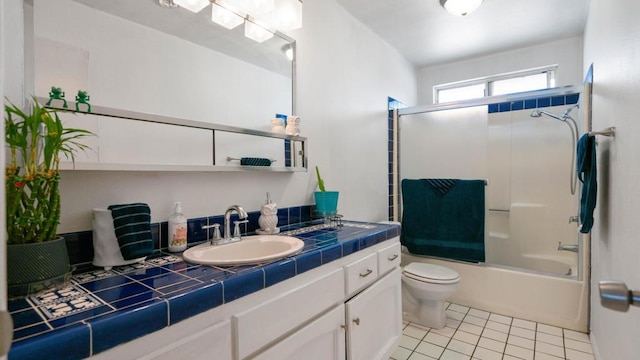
[
  {"x": 567, "y": 53},
  {"x": 612, "y": 44},
  {"x": 345, "y": 74}
]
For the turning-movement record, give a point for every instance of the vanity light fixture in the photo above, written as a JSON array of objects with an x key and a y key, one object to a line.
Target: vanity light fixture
[
  {"x": 460, "y": 7},
  {"x": 256, "y": 32},
  {"x": 192, "y": 5},
  {"x": 262, "y": 18},
  {"x": 222, "y": 16}
]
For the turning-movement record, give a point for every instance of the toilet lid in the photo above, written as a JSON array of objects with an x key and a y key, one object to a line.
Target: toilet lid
[{"x": 429, "y": 272}]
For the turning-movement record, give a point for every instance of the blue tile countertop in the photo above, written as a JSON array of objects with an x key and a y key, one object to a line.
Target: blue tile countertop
[{"x": 101, "y": 309}]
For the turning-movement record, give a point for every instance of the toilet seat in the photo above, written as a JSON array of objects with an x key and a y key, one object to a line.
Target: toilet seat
[{"x": 431, "y": 273}]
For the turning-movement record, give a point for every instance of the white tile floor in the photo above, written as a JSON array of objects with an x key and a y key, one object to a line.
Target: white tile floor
[{"x": 476, "y": 334}]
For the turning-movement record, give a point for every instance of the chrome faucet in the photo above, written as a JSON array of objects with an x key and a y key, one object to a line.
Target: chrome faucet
[
  {"x": 227, "y": 219},
  {"x": 573, "y": 248}
]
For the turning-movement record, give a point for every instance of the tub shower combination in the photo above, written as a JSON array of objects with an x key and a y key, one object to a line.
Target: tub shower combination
[{"x": 534, "y": 254}]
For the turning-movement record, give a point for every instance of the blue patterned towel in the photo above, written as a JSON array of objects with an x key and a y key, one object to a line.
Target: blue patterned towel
[
  {"x": 442, "y": 185},
  {"x": 132, "y": 224}
]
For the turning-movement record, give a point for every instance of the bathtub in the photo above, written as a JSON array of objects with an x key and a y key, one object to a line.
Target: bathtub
[{"x": 555, "y": 300}]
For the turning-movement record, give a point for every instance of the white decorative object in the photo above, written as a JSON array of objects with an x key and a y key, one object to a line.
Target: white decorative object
[
  {"x": 293, "y": 125},
  {"x": 106, "y": 251},
  {"x": 268, "y": 219},
  {"x": 277, "y": 126}
]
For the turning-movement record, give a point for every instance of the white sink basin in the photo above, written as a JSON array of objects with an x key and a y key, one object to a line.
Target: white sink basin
[{"x": 249, "y": 250}]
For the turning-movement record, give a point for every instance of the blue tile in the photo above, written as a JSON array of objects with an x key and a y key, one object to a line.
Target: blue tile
[
  {"x": 121, "y": 292},
  {"x": 503, "y": 107},
  {"x": 350, "y": 247},
  {"x": 572, "y": 99},
  {"x": 105, "y": 283},
  {"x": 367, "y": 241},
  {"x": 17, "y": 305},
  {"x": 79, "y": 246},
  {"x": 155, "y": 235},
  {"x": 544, "y": 102},
  {"x": 135, "y": 300},
  {"x": 530, "y": 104},
  {"x": 331, "y": 253},
  {"x": 147, "y": 273},
  {"x": 294, "y": 215},
  {"x": 253, "y": 223},
  {"x": 204, "y": 273},
  {"x": 305, "y": 213},
  {"x": 493, "y": 108},
  {"x": 191, "y": 303},
  {"x": 166, "y": 280},
  {"x": 195, "y": 232},
  {"x": 25, "y": 318},
  {"x": 517, "y": 105},
  {"x": 279, "y": 271},
  {"x": 79, "y": 316},
  {"x": 73, "y": 342},
  {"x": 308, "y": 261},
  {"x": 29, "y": 331},
  {"x": 179, "y": 287},
  {"x": 393, "y": 232},
  {"x": 126, "y": 325},
  {"x": 238, "y": 286},
  {"x": 557, "y": 100},
  {"x": 283, "y": 217},
  {"x": 164, "y": 235}
]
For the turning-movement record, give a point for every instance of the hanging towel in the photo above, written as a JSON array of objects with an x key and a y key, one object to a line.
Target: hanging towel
[
  {"x": 449, "y": 224},
  {"x": 588, "y": 175},
  {"x": 442, "y": 185},
  {"x": 132, "y": 225}
]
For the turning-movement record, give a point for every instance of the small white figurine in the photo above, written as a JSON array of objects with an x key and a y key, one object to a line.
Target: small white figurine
[
  {"x": 268, "y": 219},
  {"x": 277, "y": 126},
  {"x": 293, "y": 123}
]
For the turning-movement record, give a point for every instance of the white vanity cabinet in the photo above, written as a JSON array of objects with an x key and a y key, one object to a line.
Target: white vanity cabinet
[
  {"x": 367, "y": 326},
  {"x": 349, "y": 308},
  {"x": 374, "y": 319}
]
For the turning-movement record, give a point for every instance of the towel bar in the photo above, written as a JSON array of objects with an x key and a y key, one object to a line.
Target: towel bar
[{"x": 610, "y": 131}]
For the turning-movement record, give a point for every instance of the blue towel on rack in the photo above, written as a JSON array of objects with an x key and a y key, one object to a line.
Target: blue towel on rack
[
  {"x": 444, "y": 218},
  {"x": 132, "y": 225},
  {"x": 588, "y": 175}
]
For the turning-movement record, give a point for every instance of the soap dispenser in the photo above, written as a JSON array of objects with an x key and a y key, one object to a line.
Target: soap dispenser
[
  {"x": 177, "y": 229},
  {"x": 268, "y": 219}
]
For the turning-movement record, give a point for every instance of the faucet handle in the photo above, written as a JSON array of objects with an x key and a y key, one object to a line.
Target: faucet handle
[
  {"x": 236, "y": 227},
  {"x": 216, "y": 231}
]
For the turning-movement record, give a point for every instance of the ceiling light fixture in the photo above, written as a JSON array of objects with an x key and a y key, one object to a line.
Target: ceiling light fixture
[
  {"x": 460, "y": 7},
  {"x": 262, "y": 18}
]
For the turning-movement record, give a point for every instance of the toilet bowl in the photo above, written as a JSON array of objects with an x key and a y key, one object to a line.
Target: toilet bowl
[{"x": 425, "y": 287}]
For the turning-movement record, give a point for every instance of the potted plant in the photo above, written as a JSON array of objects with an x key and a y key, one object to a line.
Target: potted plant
[
  {"x": 326, "y": 201},
  {"x": 37, "y": 258}
]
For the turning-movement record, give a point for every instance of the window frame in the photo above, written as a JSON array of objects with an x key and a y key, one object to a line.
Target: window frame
[{"x": 551, "y": 71}]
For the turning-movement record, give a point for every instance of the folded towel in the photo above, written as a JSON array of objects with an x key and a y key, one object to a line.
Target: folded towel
[
  {"x": 252, "y": 161},
  {"x": 587, "y": 173},
  {"x": 445, "y": 219},
  {"x": 132, "y": 225}
]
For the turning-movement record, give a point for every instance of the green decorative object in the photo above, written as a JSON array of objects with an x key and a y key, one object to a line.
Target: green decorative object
[
  {"x": 83, "y": 98},
  {"x": 35, "y": 141},
  {"x": 56, "y": 93},
  {"x": 34, "y": 267},
  {"x": 326, "y": 201}
]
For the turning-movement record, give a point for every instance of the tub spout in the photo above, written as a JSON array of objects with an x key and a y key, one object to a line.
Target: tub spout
[{"x": 565, "y": 247}]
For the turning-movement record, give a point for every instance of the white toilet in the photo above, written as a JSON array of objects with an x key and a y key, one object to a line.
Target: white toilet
[{"x": 425, "y": 287}]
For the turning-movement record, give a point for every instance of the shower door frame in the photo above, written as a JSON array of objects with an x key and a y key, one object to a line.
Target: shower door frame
[{"x": 395, "y": 128}]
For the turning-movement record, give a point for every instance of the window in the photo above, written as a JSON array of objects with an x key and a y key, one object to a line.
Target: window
[{"x": 526, "y": 80}]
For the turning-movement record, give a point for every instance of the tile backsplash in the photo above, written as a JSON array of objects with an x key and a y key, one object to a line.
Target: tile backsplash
[{"x": 80, "y": 244}]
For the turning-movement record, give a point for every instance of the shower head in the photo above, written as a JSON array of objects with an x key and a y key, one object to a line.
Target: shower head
[{"x": 538, "y": 113}]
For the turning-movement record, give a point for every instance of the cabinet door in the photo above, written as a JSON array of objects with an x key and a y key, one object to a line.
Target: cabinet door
[
  {"x": 323, "y": 339},
  {"x": 374, "y": 320},
  {"x": 211, "y": 343}
]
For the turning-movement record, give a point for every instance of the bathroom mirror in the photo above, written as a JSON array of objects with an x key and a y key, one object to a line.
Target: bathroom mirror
[{"x": 140, "y": 56}]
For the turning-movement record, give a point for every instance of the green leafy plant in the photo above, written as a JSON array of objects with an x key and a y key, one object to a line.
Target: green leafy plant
[
  {"x": 35, "y": 141},
  {"x": 320, "y": 181}
]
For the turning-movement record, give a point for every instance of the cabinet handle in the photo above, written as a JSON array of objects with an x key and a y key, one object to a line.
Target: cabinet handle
[
  {"x": 392, "y": 257},
  {"x": 357, "y": 321},
  {"x": 344, "y": 326},
  {"x": 366, "y": 273}
]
